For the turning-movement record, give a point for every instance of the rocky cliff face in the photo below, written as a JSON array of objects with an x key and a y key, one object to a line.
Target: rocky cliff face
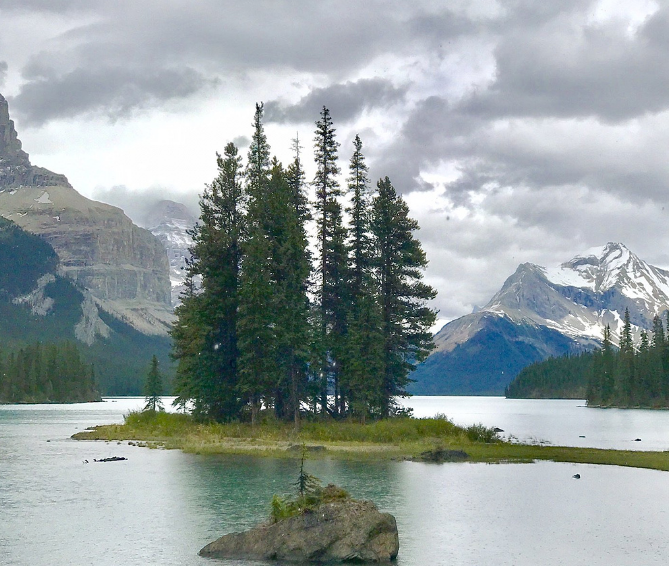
[
  {"x": 15, "y": 167},
  {"x": 124, "y": 267}
]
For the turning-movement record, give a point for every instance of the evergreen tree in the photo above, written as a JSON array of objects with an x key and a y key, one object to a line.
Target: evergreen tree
[
  {"x": 359, "y": 246},
  {"x": 293, "y": 274},
  {"x": 153, "y": 387},
  {"x": 331, "y": 269},
  {"x": 626, "y": 377},
  {"x": 608, "y": 368},
  {"x": 653, "y": 382},
  {"x": 406, "y": 319},
  {"x": 205, "y": 335},
  {"x": 363, "y": 356},
  {"x": 258, "y": 371},
  {"x": 52, "y": 373}
]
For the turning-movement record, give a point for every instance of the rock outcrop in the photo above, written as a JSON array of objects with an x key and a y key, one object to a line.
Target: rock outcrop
[
  {"x": 340, "y": 531},
  {"x": 15, "y": 167},
  {"x": 124, "y": 267}
]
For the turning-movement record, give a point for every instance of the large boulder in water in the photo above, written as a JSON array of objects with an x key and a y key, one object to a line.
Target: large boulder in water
[{"x": 339, "y": 531}]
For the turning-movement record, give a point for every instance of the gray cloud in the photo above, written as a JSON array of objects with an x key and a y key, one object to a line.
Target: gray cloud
[
  {"x": 138, "y": 205},
  {"x": 537, "y": 126},
  {"x": 345, "y": 101},
  {"x": 114, "y": 92},
  {"x": 242, "y": 141},
  {"x": 49, "y": 6},
  {"x": 230, "y": 40},
  {"x": 3, "y": 72},
  {"x": 565, "y": 68}
]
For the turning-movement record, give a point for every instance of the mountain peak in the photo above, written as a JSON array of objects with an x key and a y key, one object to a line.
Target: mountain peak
[
  {"x": 10, "y": 146},
  {"x": 602, "y": 268},
  {"x": 15, "y": 167}
]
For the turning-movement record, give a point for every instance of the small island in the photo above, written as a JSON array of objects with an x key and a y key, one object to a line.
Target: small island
[
  {"x": 322, "y": 524},
  {"x": 430, "y": 440}
]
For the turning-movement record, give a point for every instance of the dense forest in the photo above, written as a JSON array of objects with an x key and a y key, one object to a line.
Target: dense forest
[
  {"x": 51, "y": 373},
  {"x": 625, "y": 376},
  {"x": 555, "y": 378},
  {"x": 274, "y": 320}
]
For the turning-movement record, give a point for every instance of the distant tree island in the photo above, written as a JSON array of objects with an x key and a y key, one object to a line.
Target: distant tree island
[
  {"x": 266, "y": 323},
  {"x": 46, "y": 373}
]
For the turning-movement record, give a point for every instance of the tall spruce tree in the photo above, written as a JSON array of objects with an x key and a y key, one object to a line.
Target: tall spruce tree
[
  {"x": 654, "y": 378},
  {"x": 359, "y": 244},
  {"x": 626, "y": 369},
  {"x": 608, "y": 368},
  {"x": 289, "y": 268},
  {"x": 296, "y": 347},
  {"x": 400, "y": 261},
  {"x": 331, "y": 268},
  {"x": 363, "y": 356},
  {"x": 258, "y": 371},
  {"x": 205, "y": 334}
]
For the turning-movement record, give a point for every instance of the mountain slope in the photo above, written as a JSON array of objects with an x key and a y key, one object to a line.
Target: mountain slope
[
  {"x": 123, "y": 266},
  {"x": 38, "y": 303},
  {"x": 542, "y": 312}
]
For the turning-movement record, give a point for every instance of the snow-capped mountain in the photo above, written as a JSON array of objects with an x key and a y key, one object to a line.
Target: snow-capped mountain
[
  {"x": 169, "y": 221},
  {"x": 578, "y": 298},
  {"x": 542, "y": 312}
]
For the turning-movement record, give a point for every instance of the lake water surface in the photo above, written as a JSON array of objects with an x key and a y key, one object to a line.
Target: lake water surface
[{"x": 160, "y": 507}]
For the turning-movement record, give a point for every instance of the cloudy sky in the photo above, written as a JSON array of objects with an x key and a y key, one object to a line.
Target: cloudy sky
[{"x": 518, "y": 130}]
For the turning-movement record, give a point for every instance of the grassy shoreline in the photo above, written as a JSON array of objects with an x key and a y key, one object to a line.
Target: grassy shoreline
[{"x": 395, "y": 439}]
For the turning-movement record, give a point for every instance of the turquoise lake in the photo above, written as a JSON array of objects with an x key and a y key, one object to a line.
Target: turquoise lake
[{"x": 160, "y": 507}]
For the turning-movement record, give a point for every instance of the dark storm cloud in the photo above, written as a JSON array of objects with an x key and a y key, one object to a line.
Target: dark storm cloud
[
  {"x": 224, "y": 40},
  {"x": 3, "y": 72},
  {"x": 345, "y": 101},
  {"x": 434, "y": 131},
  {"x": 115, "y": 92}
]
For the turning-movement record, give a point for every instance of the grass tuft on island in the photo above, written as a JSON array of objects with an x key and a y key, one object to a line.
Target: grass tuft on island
[{"x": 397, "y": 438}]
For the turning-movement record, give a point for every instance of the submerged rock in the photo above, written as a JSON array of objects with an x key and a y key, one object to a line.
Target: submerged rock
[{"x": 338, "y": 531}]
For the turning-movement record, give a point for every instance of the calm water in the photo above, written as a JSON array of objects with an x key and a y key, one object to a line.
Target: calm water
[{"x": 160, "y": 507}]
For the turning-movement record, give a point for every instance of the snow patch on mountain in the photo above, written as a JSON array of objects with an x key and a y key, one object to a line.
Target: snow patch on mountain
[
  {"x": 577, "y": 298},
  {"x": 170, "y": 223}
]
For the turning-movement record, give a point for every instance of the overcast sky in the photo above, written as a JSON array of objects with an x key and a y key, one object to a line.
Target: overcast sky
[{"x": 518, "y": 131}]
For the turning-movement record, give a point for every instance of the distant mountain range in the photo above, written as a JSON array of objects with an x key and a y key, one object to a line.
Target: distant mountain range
[{"x": 542, "y": 312}]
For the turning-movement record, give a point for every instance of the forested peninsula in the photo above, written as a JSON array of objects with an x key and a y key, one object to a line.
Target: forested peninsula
[
  {"x": 49, "y": 373},
  {"x": 623, "y": 376}
]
